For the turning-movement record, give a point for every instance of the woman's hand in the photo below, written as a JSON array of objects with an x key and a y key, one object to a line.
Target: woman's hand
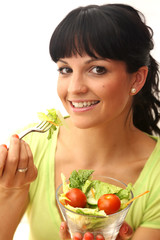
[
  {"x": 18, "y": 156},
  {"x": 124, "y": 233},
  {"x": 17, "y": 171}
]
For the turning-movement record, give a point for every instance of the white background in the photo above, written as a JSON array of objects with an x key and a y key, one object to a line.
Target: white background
[{"x": 28, "y": 77}]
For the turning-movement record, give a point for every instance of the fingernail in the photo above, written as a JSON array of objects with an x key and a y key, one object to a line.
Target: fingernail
[
  {"x": 88, "y": 236},
  {"x": 16, "y": 136},
  {"x": 62, "y": 226},
  {"x": 100, "y": 237},
  {"x": 4, "y": 145},
  {"x": 77, "y": 236}
]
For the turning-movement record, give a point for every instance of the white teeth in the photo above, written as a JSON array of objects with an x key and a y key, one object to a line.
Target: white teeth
[
  {"x": 83, "y": 104},
  {"x": 80, "y": 104},
  {"x": 76, "y": 104}
]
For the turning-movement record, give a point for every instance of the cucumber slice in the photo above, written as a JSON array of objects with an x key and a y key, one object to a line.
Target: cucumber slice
[{"x": 92, "y": 201}]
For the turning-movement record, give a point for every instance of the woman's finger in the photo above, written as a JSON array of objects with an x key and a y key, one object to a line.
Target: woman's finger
[
  {"x": 88, "y": 236},
  {"x": 3, "y": 157},
  {"x": 77, "y": 236},
  {"x": 64, "y": 233},
  {"x": 125, "y": 232},
  {"x": 100, "y": 237},
  {"x": 32, "y": 170},
  {"x": 23, "y": 159},
  {"x": 13, "y": 156}
]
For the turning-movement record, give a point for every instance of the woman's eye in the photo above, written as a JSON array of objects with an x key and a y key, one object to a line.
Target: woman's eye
[
  {"x": 65, "y": 70},
  {"x": 98, "y": 70}
]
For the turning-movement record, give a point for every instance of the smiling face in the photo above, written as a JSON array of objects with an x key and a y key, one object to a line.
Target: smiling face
[{"x": 94, "y": 91}]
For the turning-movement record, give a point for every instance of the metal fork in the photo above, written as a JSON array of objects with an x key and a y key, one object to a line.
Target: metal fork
[{"x": 42, "y": 127}]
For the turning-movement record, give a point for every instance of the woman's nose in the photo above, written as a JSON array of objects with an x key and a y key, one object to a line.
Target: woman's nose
[{"x": 77, "y": 84}]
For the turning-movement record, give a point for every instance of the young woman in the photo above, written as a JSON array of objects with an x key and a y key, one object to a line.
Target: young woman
[{"x": 108, "y": 83}]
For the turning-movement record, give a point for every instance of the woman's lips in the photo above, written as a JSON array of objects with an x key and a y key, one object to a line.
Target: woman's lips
[{"x": 81, "y": 106}]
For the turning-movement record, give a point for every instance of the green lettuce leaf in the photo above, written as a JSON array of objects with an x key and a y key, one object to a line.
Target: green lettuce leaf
[
  {"x": 125, "y": 193},
  {"x": 54, "y": 117},
  {"x": 78, "y": 179},
  {"x": 87, "y": 186},
  {"x": 102, "y": 188},
  {"x": 87, "y": 211}
]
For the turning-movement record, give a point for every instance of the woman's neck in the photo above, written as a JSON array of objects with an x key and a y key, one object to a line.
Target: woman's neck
[{"x": 99, "y": 142}]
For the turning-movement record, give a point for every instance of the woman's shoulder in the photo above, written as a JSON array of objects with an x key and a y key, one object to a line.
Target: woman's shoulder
[
  {"x": 150, "y": 173},
  {"x": 156, "y": 151}
]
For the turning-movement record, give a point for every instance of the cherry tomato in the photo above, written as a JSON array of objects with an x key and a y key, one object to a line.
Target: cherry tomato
[
  {"x": 110, "y": 203},
  {"x": 77, "y": 198}
]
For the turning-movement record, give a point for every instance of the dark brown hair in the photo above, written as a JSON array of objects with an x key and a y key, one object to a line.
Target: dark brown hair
[{"x": 119, "y": 32}]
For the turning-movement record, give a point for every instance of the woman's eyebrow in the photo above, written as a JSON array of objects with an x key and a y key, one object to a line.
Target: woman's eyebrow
[{"x": 60, "y": 60}]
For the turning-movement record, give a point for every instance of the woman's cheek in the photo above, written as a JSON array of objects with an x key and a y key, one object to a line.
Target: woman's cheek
[{"x": 60, "y": 88}]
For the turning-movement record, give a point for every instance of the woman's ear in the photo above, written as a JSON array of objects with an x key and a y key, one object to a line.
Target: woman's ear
[{"x": 139, "y": 79}]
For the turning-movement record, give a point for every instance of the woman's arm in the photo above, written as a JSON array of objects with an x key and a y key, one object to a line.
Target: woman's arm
[
  {"x": 14, "y": 185},
  {"x": 12, "y": 207},
  {"x": 146, "y": 233}
]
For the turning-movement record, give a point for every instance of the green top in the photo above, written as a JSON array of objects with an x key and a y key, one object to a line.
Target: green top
[
  {"x": 145, "y": 211},
  {"x": 42, "y": 212}
]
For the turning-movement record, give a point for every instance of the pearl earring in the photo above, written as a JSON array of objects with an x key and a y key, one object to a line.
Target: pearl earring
[{"x": 133, "y": 90}]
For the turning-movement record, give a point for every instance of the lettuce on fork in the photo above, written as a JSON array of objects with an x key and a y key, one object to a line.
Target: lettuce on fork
[{"x": 54, "y": 117}]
